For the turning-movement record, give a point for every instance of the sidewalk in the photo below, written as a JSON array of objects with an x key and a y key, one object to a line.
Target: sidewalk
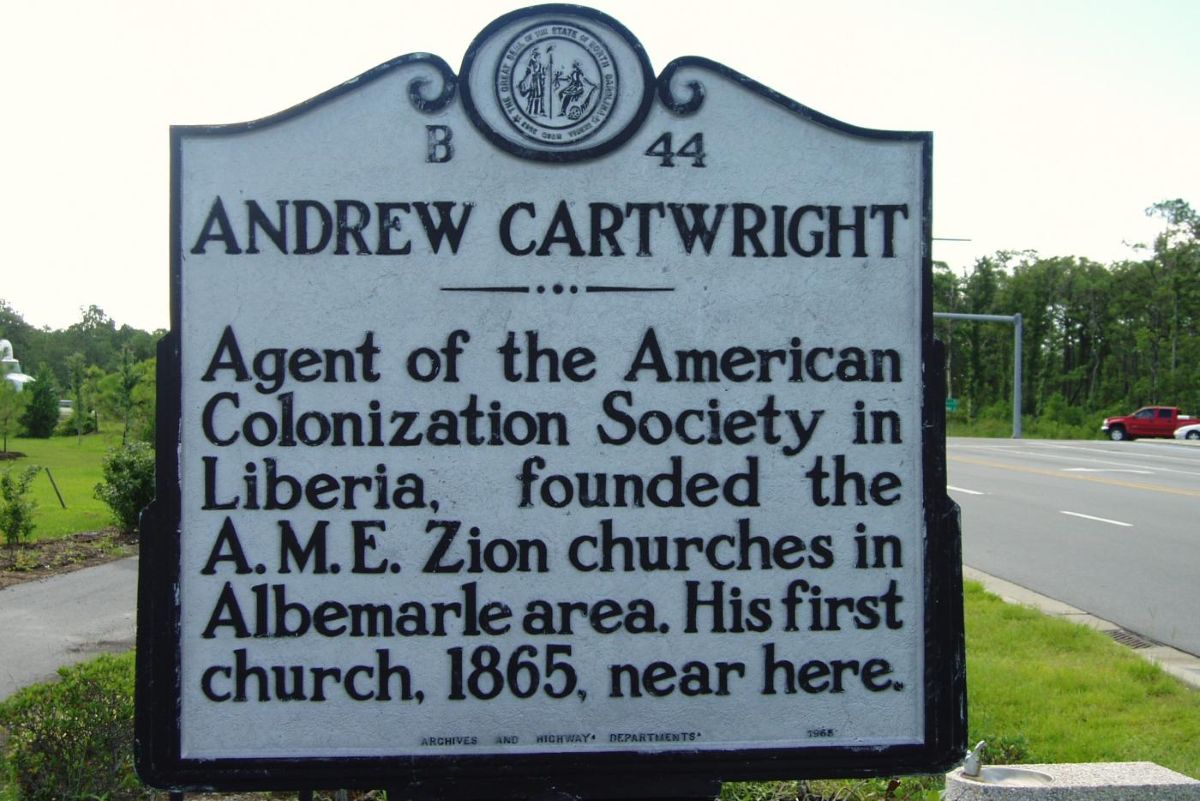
[{"x": 65, "y": 619}]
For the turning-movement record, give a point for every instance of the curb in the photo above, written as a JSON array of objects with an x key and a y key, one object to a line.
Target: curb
[{"x": 1181, "y": 665}]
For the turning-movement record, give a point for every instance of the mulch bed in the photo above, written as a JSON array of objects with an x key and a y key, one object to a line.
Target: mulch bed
[{"x": 36, "y": 560}]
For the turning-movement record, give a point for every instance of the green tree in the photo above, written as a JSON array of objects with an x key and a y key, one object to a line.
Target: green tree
[
  {"x": 1176, "y": 264},
  {"x": 14, "y": 328},
  {"x": 12, "y": 404},
  {"x": 145, "y": 400},
  {"x": 987, "y": 353},
  {"x": 77, "y": 375},
  {"x": 117, "y": 393},
  {"x": 95, "y": 337},
  {"x": 41, "y": 413},
  {"x": 947, "y": 297},
  {"x": 1099, "y": 339},
  {"x": 92, "y": 377}
]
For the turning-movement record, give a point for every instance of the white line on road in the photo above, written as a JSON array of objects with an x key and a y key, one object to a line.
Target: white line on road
[
  {"x": 1099, "y": 519},
  {"x": 1140, "y": 454},
  {"x": 1062, "y": 457},
  {"x": 967, "y": 491},
  {"x": 1106, "y": 470}
]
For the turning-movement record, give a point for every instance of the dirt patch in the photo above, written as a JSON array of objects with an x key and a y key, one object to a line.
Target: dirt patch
[
  {"x": 36, "y": 560},
  {"x": 11, "y": 456}
]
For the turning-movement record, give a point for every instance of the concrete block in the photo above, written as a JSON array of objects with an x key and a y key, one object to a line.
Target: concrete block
[{"x": 1091, "y": 781}]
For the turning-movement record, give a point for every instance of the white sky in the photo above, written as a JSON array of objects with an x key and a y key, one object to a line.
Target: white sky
[{"x": 1056, "y": 122}]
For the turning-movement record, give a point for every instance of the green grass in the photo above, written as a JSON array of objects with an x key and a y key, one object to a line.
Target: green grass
[
  {"x": 957, "y": 425},
  {"x": 1043, "y": 690},
  {"x": 76, "y": 469},
  {"x": 1072, "y": 693}
]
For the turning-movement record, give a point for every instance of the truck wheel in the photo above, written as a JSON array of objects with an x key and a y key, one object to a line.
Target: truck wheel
[
  {"x": 1117, "y": 434},
  {"x": 1192, "y": 435}
]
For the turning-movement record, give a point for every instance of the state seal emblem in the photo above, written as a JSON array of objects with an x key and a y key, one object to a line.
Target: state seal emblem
[{"x": 556, "y": 83}]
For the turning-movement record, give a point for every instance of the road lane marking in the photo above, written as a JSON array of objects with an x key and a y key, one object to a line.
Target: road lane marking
[
  {"x": 1063, "y": 457},
  {"x": 1098, "y": 519},
  {"x": 1127, "y": 448},
  {"x": 1006, "y": 450},
  {"x": 967, "y": 491},
  {"x": 1147, "y": 456},
  {"x": 1106, "y": 470},
  {"x": 1039, "y": 471}
]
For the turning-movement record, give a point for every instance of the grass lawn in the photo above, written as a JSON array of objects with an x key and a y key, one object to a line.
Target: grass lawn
[
  {"x": 1043, "y": 690},
  {"x": 76, "y": 469},
  {"x": 1065, "y": 693},
  {"x": 957, "y": 425}
]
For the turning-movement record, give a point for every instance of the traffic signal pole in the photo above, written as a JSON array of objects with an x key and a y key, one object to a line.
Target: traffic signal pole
[{"x": 1018, "y": 338}]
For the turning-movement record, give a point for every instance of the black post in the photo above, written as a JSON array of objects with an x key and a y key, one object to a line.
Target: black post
[{"x": 54, "y": 484}]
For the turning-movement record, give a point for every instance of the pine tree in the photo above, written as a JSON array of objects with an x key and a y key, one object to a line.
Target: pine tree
[{"x": 41, "y": 414}]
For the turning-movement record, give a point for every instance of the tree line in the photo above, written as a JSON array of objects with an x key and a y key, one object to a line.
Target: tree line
[
  {"x": 1098, "y": 339},
  {"x": 106, "y": 371}
]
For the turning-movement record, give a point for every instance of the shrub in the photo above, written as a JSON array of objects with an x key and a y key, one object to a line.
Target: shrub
[
  {"x": 74, "y": 739},
  {"x": 41, "y": 412},
  {"x": 1000, "y": 410},
  {"x": 16, "y": 508},
  {"x": 128, "y": 485},
  {"x": 67, "y": 428}
]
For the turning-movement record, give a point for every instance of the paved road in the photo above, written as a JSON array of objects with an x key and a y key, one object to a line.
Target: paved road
[
  {"x": 1111, "y": 528},
  {"x": 63, "y": 620}
]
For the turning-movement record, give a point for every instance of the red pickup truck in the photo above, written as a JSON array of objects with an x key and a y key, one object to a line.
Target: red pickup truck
[{"x": 1148, "y": 421}]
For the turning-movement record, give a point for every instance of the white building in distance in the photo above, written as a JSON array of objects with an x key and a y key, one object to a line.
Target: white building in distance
[{"x": 10, "y": 367}]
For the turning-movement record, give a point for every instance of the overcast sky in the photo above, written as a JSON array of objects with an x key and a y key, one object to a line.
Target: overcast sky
[{"x": 1056, "y": 122}]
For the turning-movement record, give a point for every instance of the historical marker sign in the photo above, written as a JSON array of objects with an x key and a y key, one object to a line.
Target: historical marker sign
[{"x": 547, "y": 422}]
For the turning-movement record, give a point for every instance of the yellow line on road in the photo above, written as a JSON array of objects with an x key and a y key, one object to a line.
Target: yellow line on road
[{"x": 1041, "y": 471}]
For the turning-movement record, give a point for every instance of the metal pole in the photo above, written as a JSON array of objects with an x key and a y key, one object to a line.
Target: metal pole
[
  {"x": 54, "y": 484},
  {"x": 986, "y": 318},
  {"x": 1018, "y": 341}
]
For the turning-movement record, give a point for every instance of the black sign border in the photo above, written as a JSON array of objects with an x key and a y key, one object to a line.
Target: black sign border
[{"x": 609, "y": 774}]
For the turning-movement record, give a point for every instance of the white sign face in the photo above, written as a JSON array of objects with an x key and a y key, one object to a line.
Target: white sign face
[{"x": 543, "y": 418}]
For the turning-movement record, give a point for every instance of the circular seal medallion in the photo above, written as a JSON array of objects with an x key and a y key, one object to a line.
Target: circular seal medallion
[{"x": 557, "y": 83}]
